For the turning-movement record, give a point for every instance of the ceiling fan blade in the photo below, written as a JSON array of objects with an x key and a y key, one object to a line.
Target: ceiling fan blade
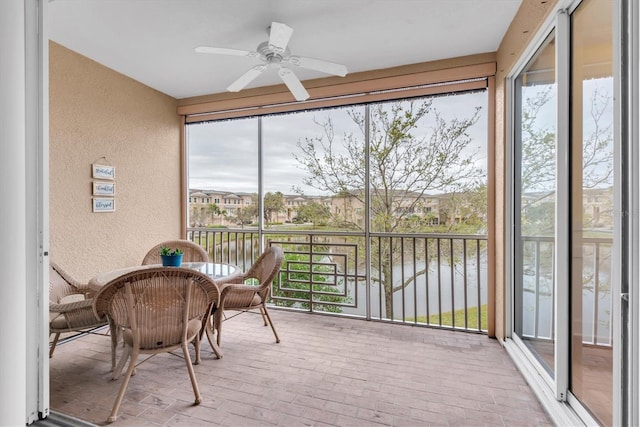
[
  {"x": 246, "y": 78},
  {"x": 319, "y": 65},
  {"x": 291, "y": 80},
  {"x": 279, "y": 36},
  {"x": 224, "y": 51}
]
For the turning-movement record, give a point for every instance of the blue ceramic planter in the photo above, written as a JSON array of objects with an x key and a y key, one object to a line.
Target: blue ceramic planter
[{"x": 171, "y": 260}]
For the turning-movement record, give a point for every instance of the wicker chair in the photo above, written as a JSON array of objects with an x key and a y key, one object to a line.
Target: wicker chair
[
  {"x": 192, "y": 252},
  {"x": 159, "y": 310},
  {"x": 70, "y": 306},
  {"x": 241, "y": 295}
]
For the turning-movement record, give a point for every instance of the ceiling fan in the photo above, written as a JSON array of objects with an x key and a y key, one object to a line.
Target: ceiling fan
[{"x": 274, "y": 53}]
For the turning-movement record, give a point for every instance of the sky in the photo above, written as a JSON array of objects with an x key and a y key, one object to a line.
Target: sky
[{"x": 223, "y": 155}]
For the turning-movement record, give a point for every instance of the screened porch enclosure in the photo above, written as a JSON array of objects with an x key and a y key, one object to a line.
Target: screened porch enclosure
[{"x": 381, "y": 208}]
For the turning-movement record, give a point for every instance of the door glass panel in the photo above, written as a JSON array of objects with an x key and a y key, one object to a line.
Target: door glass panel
[
  {"x": 535, "y": 193},
  {"x": 592, "y": 191}
]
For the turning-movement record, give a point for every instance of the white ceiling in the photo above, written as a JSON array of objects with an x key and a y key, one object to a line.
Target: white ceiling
[{"x": 153, "y": 41}]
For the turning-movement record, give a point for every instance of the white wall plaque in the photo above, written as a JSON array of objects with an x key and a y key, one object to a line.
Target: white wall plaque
[
  {"x": 101, "y": 204},
  {"x": 103, "y": 171},
  {"x": 101, "y": 188}
]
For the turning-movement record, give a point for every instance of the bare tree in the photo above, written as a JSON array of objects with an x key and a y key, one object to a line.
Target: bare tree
[{"x": 413, "y": 151}]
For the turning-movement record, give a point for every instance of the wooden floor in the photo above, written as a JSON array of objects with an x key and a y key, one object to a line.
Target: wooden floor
[{"x": 326, "y": 371}]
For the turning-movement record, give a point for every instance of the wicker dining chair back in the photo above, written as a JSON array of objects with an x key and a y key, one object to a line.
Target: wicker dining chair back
[
  {"x": 250, "y": 290},
  {"x": 70, "y": 305},
  {"x": 158, "y": 310},
  {"x": 193, "y": 252}
]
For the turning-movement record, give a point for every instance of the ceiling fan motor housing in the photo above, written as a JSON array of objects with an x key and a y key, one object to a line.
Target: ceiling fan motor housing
[{"x": 267, "y": 54}]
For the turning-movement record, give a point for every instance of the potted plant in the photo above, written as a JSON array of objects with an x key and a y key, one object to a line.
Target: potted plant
[{"x": 171, "y": 257}]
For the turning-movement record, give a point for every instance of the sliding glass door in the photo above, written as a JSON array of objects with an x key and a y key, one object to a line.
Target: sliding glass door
[
  {"x": 592, "y": 195},
  {"x": 564, "y": 317},
  {"x": 535, "y": 204}
]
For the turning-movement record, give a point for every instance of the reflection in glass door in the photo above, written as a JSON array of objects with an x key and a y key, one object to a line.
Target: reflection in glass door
[
  {"x": 592, "y": 196},
  {"x": 535, "y": 202}
]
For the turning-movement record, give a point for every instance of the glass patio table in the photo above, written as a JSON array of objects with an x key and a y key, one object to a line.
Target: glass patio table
[{"x": 215, "y": 270}]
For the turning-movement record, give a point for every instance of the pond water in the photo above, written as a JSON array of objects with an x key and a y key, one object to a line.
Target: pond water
[{"x": 440, "y": 294}]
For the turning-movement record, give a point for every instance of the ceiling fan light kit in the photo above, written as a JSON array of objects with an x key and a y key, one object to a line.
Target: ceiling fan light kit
[{"x": 274, "y": 53}]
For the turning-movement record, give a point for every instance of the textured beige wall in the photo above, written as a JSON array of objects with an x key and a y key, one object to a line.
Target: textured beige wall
[
  {"x": 527, "y": 22},
  {"x": 96, "y": 112}
]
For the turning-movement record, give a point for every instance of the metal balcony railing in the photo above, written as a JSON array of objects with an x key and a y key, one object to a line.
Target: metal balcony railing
[
  {"x": 538, "y": 289},
  {"x": 437, "y": 280}
]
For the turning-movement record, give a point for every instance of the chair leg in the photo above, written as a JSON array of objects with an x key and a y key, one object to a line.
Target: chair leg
[
  {"x": 114, "y": 342},
  {"x": 207, "y": 319},
  {"x": 192, "y": 374},
  {"x": 217, "y": 324},
  {"x": 53, "y": 345},
  {"x": 208, "y": 322},
  {"x": 123, "y": 359},
  {"x": 123, "y": 386},
  {"x": 264, "y": 312},
  {"x": 214, "y": 345},
  {"x": 196, "y": 345}
]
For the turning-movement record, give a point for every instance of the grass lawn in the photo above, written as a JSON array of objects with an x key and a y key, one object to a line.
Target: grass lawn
[{"x": 458, "y": 316}]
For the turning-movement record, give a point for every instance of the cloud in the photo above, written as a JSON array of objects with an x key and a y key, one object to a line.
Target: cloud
[{"x": 223, "y": 155}]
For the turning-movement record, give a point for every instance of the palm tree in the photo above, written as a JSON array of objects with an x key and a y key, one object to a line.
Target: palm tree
[{"x": 213, "y": 210}]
